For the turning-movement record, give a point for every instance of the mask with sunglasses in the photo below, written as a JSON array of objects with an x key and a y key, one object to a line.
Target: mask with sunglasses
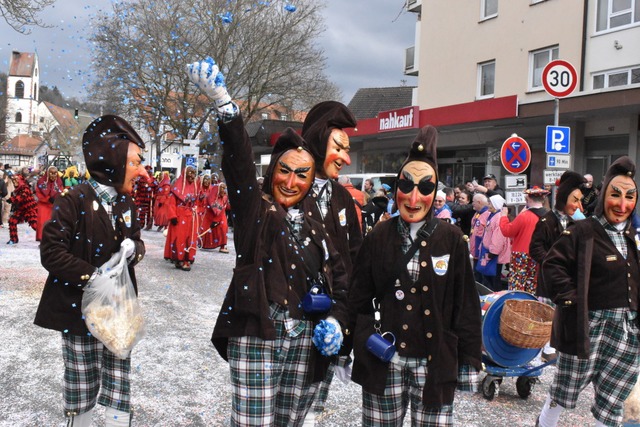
[{"x": 424, "y": 187}]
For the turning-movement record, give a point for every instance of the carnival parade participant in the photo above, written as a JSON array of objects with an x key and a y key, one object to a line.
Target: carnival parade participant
[
  {"x": 263, "y": 330},
  {"x": 523, "y": 275},
  {"x": 160, "y": 207},
  {"x": 593, "y": 274},
  {"x": 413, "y": 279},
  {"x": 182, "y": 236},
  {"x": 89, "y": 224},
  {"x": 205, "y": 189},
  {"x": 70, "y": 177},
  {"x": 331, "y": 203},
  {"x": 24, "y": 207},
  {"x": 548, "y": 230},
  {"x": 49, "y": 187},
  {"x": 144, "y": 194},
  {"x": 216, "y": 219}
]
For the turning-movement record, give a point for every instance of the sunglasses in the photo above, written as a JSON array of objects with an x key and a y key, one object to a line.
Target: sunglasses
[{"x": 424, "y": 187}]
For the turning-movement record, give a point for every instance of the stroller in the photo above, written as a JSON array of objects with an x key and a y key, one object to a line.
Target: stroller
[{"x": 500, "y": 358}]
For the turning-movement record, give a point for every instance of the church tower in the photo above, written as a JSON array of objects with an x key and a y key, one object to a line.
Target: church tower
[{"x": 23, "y": 85}]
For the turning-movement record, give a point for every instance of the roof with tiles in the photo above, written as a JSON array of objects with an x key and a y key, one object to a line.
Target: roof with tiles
[
  {"x": 368, "y": 102},
  {"x": 22, "y": 64},
  {"x": 21, "y": 144}
]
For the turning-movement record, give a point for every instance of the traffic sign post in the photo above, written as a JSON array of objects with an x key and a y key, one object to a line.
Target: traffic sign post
[
  {"x": 558, "y": 140},
  {"x": 559, "y": 78},
  {"x": 515, "y": 154},
  {"x": 558, "y": 161},
  {"x": 515, "y": 182},
  {"x": 552, "y": 175}
]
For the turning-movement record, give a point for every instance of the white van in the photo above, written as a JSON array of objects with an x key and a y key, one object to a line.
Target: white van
[{"x": 357, "y": 179}]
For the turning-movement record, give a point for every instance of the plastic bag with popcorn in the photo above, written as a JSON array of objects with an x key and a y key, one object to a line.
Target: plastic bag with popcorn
[{"x": 111, "y": 308}]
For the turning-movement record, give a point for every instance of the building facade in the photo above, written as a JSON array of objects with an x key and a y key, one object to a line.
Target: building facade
[
  {"x": 23, "y": 86},
  {"x": 480, "y": 79}
]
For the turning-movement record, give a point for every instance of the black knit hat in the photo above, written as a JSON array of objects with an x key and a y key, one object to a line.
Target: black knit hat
[
  {"x": 320, "y": 121},
  {"x": 105, "y": 146},
  {"x": 622, "y": 166},
  {"x": 288, "y": 140},
  {"x": 569, "y": 181},
  {"x": 423, "y": 149}
]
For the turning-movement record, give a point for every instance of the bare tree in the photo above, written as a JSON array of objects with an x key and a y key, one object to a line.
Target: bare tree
[
  {"x": 266, "y": 52},
  {"x": 22, "y": 14}
]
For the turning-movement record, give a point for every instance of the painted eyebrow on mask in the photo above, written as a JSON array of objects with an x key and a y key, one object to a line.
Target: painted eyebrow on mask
[
  {"x": 141, "y": 157},
  {"x": 629, "y": 192},
  {"x": 289, "y": 169},
  {"x": 407, "y": 175},
  {"x": 339, "y": 143}
]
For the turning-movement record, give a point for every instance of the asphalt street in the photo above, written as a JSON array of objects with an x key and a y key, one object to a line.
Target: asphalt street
[{"x": 178, "y": 378}]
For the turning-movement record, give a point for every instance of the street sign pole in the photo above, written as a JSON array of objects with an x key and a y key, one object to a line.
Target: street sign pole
[{"x": 556, "y": 112}]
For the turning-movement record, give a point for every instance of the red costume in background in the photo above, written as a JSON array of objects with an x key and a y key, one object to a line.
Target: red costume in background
[
  {"x": 182, "y": 237},
  {"x": 205, "y": 188},
  {"x": 161, "y": 208},
  {"x": 216, "y": 215},
  {"x": 46, "y": 192},
  {"x": 25, "y": 208},
  {"x": 143, "y": 194}
]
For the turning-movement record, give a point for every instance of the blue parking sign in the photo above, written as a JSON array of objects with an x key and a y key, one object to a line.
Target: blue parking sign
[
  {"x": 191, "y": 161},
  {"x": 558, "y": 138}
]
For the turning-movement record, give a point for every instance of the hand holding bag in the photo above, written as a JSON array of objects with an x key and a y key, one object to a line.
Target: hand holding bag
[
  {"x": 111, "y": 309},
  {"x": 486, "y": 265}
]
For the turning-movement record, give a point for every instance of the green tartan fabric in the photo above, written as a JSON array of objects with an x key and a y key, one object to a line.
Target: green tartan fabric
[
  {"x": 89, "y": 369},
  {"x": 271, "y": 379},
  {"x": 405, "y": 383},
  {"x": 612, "y": 366}
]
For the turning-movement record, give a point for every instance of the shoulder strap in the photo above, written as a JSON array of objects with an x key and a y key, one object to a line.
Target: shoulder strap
[{"x": 423, "y": 234}]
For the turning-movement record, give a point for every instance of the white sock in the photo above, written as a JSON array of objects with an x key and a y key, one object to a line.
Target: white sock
[
  {"x": 310, "y": 419},
  {"x": 83, "y": 420},
  {"x": 550, "y": 413},
  {"x": 548, "y": 349},
  {"x": 115, "y": 418}
]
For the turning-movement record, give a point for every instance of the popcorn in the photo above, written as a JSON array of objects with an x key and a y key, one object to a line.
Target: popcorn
[{"x": 119, "y": 327}]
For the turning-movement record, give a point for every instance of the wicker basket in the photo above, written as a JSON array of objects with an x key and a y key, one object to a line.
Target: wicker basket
[{"x": 526, "y": 323}]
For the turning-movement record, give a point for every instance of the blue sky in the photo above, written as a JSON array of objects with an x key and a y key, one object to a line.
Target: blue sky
[{"x": 364, "y": 44}]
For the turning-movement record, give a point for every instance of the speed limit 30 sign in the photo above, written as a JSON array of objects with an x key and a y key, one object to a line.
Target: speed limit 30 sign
[{"x": 559, "y": 78}]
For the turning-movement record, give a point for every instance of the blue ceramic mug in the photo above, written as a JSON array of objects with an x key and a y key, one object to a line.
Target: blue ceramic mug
[
  {"x": 381, "y": 347},
  {"x": 316, "y": 301}
]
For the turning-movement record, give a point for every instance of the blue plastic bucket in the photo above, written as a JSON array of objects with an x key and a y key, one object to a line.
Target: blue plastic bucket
[{"x": 494, "y": 347}]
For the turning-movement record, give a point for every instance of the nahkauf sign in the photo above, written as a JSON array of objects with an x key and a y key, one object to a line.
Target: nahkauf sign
[{"x": 403, "y": 118}]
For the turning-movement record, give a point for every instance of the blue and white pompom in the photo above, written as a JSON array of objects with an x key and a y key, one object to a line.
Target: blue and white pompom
[{"x": 327, "y": 337}]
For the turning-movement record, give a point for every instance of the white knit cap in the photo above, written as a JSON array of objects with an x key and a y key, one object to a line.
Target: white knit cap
[
  {"x": 440, "y": 194},
  {"x": 497, "y": 201}
]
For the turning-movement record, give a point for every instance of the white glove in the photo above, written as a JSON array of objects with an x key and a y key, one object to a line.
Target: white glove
[
  {"x": 207, "y": 76},
  {"x": 338, "y": 337},
  {"x": 128, "y": 248}
]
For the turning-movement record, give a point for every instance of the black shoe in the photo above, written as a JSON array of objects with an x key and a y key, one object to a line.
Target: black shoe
[{"x": 11, "y": 242}]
